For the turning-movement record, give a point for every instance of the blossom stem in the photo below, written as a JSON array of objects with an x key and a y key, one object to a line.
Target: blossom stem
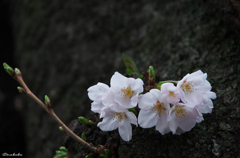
[{"x": 99, "y": 149}]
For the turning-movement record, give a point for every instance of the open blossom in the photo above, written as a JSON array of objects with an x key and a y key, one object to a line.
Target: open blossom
[
  {"x": 154, "y": 110},
  {"x": 124, "y": 91},
  {"x": 183, "y": 118},
  {"x": 193, "y": 86},
  {"x": 171, "y": 92},
  {"x": 121, "y": 119}
]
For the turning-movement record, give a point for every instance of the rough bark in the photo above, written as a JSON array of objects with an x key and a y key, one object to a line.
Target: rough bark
[{"x": 64, "y": 47}]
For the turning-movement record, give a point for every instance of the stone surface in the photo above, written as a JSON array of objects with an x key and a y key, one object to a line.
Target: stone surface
[{"x": 64, "y": 47}]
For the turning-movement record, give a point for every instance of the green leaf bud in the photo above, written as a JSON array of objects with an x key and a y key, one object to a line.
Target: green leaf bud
[
  {"x": 90, "y": 122},
  {"x": 151, "y": 74},
  {"x": 18, "y": 72},
  {"x": 83, "y": 120},
  {"x": 21, "y": 90},
  {"x": 59, "y": 152},
  {"x": 61, "y": 128},
  {"x": 47, "y": 102},
  {"x": 84, "y": 137},
  {"x": 131, "y": 66},
  {"x": 8, "y": 69},
  {"x": 62, "y": 148}
]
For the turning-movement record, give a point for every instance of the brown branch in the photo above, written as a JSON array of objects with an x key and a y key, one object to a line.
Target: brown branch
[{"x": 99, "y": 149}]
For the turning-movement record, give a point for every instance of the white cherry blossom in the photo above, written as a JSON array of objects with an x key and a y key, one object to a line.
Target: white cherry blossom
[
  {"x": 121, "y": 120},
  {"x": 124, "y": 91},
  {"x": 183, "y": 118},
  {"x": 154, "y": 111},
  {"x": 192, "y": 87}
]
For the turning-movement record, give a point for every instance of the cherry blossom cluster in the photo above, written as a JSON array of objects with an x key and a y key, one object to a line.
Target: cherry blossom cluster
[{"x": 175, "y": 107}]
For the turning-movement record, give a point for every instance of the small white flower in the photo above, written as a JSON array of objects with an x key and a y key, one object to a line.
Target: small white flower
[
  {"x": 98, "y": 92},
  {"x": 124, "y": 91},
  {"x": 121, "y": 120},
  {"x": 154, "y": 111},
  {"x": 192, "y": 87},
  {"x": 184, "y": 117},
  {"x": 171, "y": 92}
]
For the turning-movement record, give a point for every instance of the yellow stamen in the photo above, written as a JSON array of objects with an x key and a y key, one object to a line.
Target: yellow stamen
[
  {"x": 172, "y": 94},
  {"x": 188, "y": 87},
  {"x": 180, "y": 112},
  {"x": 158, "y": 107},
  {"x": 119, "y": 116},
  {"x": 126, "y": 92}
]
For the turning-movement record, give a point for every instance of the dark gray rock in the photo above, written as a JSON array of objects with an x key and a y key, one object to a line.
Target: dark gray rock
[{"x": 64, "y": 47}]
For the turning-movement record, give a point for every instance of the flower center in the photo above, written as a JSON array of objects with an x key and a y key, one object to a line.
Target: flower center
[
  {"x": 171, "y": 94},
  {"x": 119, "y": 116},
  {"x": 158, "y": 107},
  {"x": 180, "y": 112},
  {"x": 188, "y": 87},
  {"x": 126, "y": 92}
]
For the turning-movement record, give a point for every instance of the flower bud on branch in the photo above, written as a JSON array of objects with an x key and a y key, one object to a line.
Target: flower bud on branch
[
  {"x": 21, "y": 90},
  {"x": 47, "y": 102},
  {"x": 9, "y": 69}
]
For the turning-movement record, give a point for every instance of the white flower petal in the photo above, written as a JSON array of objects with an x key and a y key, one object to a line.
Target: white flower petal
[
  {"x": 147, "y": 118},
  {"x": 205, "y": 107},
  {"x": 137, "y": 86},
  {"x": 118, "y": 80},
  {"x": 97, "y": 107},
  {"x": 189, "y": 121},
  {"x": 96, "y": 92},
  {"x": 146, "y": 101},
  {"x": 125, "y": 131},
  {"x": 108, "y": 124},
  {"x": 165, "y": 130},
  {"x": 132, "y": 117},
  {"x": 173, "y": 126},
  {"x": 106, "y": 111},
  {"x": 211, "y": 95},
  {"x": 162, "y": 121},
  {"x": 134, "y": 101},
  {"x": 117, "y": 108},
  {"x": 194, "y": 99},
  {"x": 157, "y": 93}
]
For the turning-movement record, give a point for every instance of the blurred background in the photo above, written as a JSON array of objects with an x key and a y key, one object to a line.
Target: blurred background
[{"x": 64, "y": 47}]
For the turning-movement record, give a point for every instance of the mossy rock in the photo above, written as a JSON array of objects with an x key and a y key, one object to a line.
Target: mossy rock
[{"x": 64, "y": 47}]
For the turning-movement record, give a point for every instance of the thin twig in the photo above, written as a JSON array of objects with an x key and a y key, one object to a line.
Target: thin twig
[{"x": 99, "y": 149}]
